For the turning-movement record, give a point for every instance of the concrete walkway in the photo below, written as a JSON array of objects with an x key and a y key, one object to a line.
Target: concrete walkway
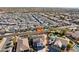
[{"x": 2, "y": 43}]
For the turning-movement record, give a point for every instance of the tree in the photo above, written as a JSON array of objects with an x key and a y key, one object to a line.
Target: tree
[
  {"x": 1, "y": 38},
  {"x": 69, "y": 46}
]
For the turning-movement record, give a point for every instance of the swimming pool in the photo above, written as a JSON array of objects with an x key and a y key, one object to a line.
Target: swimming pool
[{"x": 76, "y": 47}]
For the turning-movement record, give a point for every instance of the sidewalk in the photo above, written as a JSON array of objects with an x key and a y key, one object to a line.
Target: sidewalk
[{"x": 2, "y": 43}]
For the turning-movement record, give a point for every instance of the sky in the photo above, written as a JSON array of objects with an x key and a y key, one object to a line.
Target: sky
[{"x": 39, "y": 3}]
